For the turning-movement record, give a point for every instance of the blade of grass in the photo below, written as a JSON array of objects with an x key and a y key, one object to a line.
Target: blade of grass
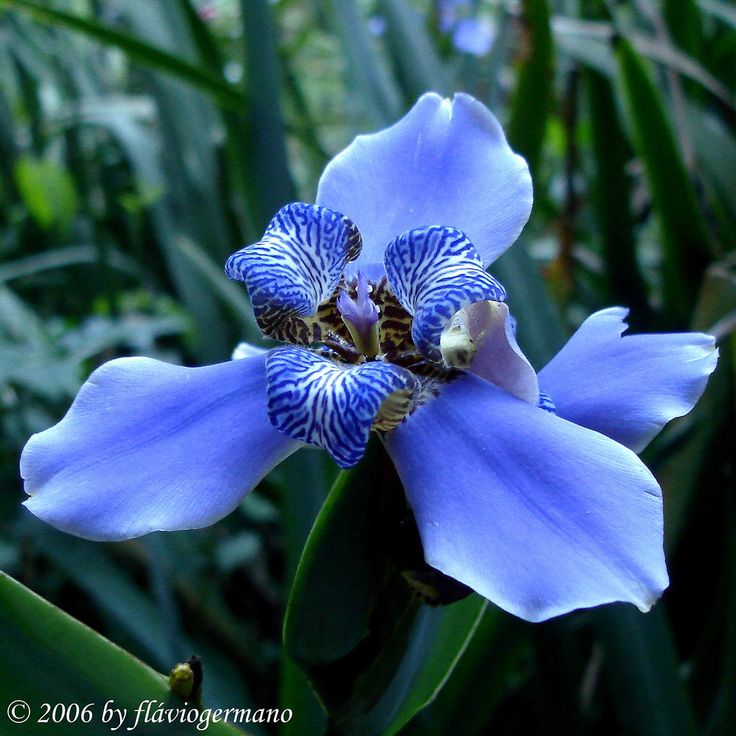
[
  {"x": 231, "y": 294},
  {"x": 685, "y": 236},
  {"x": 532, "y": 97},
  {"x": 192, "y": 206},
  {"x": 71, "y": 255},
  {"x": 36, "y": 639},
  {"x": 418, "y": 66},
  {"x": 642, "y": 665},
  {"x": 590, "y": 43},
  {"x": 684, "y": 24},
  {"x": 304, "y": 480},
  {"x": 611, "y": 199},
  {"x": 367, "y": 78},
  {"x": 725, "y": 11},
  {"x": 266, "y": 143},
  {"x": 137, "y": 50}
]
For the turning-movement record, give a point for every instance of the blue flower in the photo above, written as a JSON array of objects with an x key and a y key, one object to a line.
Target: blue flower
[
  {"x": 473, "y": 36},
  {"x": 470, "y": 34},
  {"x": 525, "y": 486}
]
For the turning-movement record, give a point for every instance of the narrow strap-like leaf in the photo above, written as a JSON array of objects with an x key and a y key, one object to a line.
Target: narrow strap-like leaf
[
  {"x": 684, "y": 233},
  {"x": 137, "y": 50}
]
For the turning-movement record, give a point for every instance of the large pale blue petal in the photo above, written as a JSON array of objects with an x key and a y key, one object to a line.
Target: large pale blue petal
[
  {"x": 535, "y": 513},
  {"x": 627, "y": 387},
  {"x": 315, "y": 400},
  {"x": 295, "y": 267},
  {"x": 444, "y": 163},
  {"x": 435, "y": 272},
  {"x": 148, "y": 446}
]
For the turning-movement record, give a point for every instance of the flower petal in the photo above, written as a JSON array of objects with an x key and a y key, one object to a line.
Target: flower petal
[
  {"x": 533, "y": 512},
  {"x": 444, "y": 163},
  {"x": 435, "y": 272},
  {"x": 498, "y": 357},
  {"x": 627, "y": 388},
  {"x": 295, "y": 268},
  {"x": 247, "y": 350},
  {"x": 148, "y": 446},
  {"x": 315, "y": 400}
]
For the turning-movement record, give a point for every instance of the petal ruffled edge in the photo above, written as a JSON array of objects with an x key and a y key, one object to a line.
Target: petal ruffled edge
[
  {"x": 446, "y": 162},
  {"x": 295, "y": 269},
  {"x": 435, "y": 272},
  {"x": 316, "y": 400},
  {"x": 627, "y": 386}
]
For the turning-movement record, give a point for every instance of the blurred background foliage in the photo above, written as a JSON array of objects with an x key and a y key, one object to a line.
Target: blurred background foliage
[{"x": 141, "y": 141}]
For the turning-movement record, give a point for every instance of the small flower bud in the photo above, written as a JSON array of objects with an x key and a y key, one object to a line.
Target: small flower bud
[{"x": 185, "y": 679}]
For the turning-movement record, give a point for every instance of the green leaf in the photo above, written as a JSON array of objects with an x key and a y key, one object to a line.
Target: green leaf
[
  {"x": 207, "y": 49},
  {"x": 437, "y": 641},
  {"x": 715, "y": 151},
  {"x": 296, "y": 693},
  {"x": 684, "y": 24},
  {"x": 611, "y": 187},
  {"x": 496, "y": 657},
  {"x": 186, "y": 121},
  {"x": 229, "y": 292},
  {"x": 532, "y": 96},
  {"x": 723, "y": 10},
  {"x": 685, "y": 443},
  {"x": 48, "y": 191},
  {"x": 684, "y": 233},
  {"x": 539, "y": 333},
  {"x": 19, "y": 322},
  {"x": 137, "y": 50},
  {"x": 371, "y": 87},
  {"x": 72, "y": 255},
  {"x": 124, "y": 604},
  {"x": 589, "y": 42},
  {"x": 374, "y": 653},
  {"x": 418, "y": 65},
  {"x": 266, "y": 141},
  {"x": 330, "y": 603},
  {"x": 49, "y": 657},
  {"x": 585, "y": 41},
  {"x": 728, "y": 712},
  {"x": 305, "y": 478},
  {"x": 640, "y": 659}
]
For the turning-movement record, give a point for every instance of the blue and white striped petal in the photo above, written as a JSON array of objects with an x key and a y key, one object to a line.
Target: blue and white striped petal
[
  {"x": 329, "y": 404},
  {"x": 435, "y": 271},
  {"x": 295, "y": 267}
]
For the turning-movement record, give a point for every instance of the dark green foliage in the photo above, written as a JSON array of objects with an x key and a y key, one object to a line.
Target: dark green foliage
[{"x": 532, "y": 96}]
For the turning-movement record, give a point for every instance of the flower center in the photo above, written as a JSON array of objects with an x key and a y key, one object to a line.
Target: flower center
[
  {"x": 380, "y": 330},
  {"x": 360, "y": 316}
]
